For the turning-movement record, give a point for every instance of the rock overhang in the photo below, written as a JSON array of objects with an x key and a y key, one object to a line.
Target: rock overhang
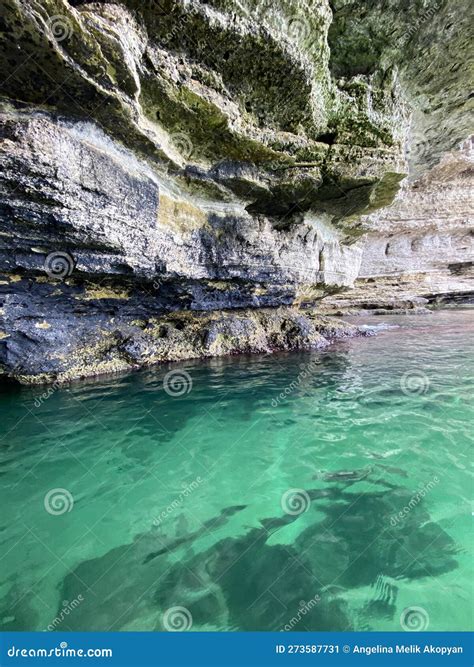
[{"x": 208, "y": 156}]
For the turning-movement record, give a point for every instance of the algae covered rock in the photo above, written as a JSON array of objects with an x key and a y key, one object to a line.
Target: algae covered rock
[{"x": 208, "y": 156}]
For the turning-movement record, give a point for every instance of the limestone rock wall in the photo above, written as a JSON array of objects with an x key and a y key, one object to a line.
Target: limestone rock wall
[
  {"x": 189, "y": 156},
  {"x": 420, "y": 250},
  {"x": 69, "y": 188},
  {"x": 428, "y": 43}
]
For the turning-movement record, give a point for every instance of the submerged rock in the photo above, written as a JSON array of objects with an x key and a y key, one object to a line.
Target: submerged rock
[{"x": 250, "y": 580}]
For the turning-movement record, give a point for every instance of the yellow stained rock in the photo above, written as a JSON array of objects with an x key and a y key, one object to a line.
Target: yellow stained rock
[
  {"x": 92, "y": 293},
  {"x": 180, "y": 214}
]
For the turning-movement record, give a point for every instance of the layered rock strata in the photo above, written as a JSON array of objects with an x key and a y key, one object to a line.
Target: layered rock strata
[
  {"x": 418, "y": 253},
  {"x": 197, "y": 160}
]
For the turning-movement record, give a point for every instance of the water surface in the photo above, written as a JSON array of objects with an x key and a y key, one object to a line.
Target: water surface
[{"x": 315, "y": 491}]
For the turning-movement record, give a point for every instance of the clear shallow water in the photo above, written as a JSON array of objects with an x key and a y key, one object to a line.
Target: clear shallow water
[{"x": 318, "y": 491}]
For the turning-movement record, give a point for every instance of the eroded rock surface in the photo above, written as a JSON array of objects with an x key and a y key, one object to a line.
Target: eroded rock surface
[
  {"x": 187, "y": 159},
  {"x": 419, "y": 251}
]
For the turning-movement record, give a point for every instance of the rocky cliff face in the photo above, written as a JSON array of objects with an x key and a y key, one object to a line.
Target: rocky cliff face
[
  {"x": 178, "y": 177},
  {"x": 419, "y": 251}
]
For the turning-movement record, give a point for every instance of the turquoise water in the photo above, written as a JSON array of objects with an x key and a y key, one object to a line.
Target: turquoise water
[{"x": 314, "y": 491}]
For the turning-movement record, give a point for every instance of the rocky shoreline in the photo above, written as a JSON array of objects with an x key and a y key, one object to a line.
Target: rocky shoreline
[
  {"x": 77, "y": 332},
  {"x": 55, "y": 331},
  {"x": 200, "y": 179}
]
